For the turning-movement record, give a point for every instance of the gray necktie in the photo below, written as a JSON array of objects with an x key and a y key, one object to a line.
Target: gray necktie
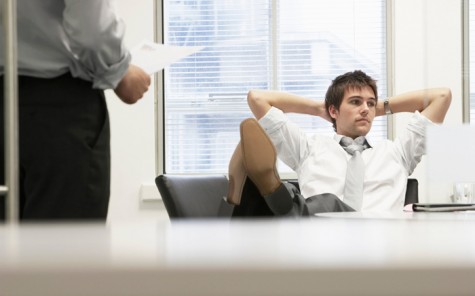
[{"x": 353, "y": 194}]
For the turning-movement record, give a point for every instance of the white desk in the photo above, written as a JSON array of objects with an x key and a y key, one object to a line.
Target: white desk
[
  {"x": 455, "y": 216},
  {"x": 342, "y": 256}
]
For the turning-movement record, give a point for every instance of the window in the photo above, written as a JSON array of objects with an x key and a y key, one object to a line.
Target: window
[
  {"x": 297, "y": 46},
  {"x": 471, "y": 53}
]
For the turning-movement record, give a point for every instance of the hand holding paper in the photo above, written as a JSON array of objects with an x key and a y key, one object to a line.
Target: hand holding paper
[
  {"x": 153, "y": 57},
  {"x": 133, "y": 85}
]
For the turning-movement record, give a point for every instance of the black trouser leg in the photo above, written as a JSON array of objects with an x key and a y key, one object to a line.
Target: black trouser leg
[
  {"x": 64, "y": 149},
  {"x": 252, "y": 204},
  {"x": 286, "y": 201},
  {"x": 279, "y": 203}
]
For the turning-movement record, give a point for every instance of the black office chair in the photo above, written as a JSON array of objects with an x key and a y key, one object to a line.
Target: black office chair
[
  {"x": 194, "y": 196},
  {"x": 412, "y": 191},
  {"x": 198, "y": 196}
]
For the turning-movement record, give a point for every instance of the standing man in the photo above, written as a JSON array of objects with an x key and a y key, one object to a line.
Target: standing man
[
  {"x": 343, "y": 173},
  {"x": 69, "y": 52}
]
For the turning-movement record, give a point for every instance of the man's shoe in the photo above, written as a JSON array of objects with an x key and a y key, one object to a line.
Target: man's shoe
[
  {"x": 237, "y": 177},
  {"x": 259, "y": 157}
]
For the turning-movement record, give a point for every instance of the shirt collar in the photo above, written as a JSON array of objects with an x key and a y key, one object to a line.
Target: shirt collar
[{"x": 338, "y": 137}]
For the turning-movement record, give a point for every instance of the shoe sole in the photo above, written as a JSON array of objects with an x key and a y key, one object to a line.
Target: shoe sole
[
  {"x": 237, "y": 176},
  {"x": 259, "y": 157}
]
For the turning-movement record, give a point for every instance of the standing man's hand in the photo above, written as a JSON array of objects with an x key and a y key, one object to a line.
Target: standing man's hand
[{"x": 133, "y": 85}]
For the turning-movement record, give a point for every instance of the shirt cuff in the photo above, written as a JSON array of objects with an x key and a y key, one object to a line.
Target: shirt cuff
[
  {"x": 419, "y": 122},
  {"x": 273, "y": 120},
  {"x": 111, "y": 77}
]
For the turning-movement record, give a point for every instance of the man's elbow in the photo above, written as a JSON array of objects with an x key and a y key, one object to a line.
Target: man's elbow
[
  {"x": 250, "y": 96},
  {"x": 252, "y": 99},
  {"x": 441, "y": 104},
  {"x": 256, "y": 103},
  {"x": 445, "y": 97}
]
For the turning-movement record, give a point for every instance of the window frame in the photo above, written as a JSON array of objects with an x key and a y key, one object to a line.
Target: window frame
[
  {"x": 159, "y": 79},
  {"x": 466, "y": 61}
]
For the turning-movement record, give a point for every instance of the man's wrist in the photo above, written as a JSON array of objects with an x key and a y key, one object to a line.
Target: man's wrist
[{"x": 387, "y": 108}]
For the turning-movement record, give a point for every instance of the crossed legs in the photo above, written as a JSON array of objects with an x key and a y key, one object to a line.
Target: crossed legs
[{"x": 255, "y": 187}]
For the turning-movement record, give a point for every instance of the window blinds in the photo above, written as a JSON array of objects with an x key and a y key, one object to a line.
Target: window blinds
[{"x": 297, "y": 46}]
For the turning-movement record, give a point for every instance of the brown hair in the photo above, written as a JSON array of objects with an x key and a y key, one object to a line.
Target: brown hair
[{"x": 336, "y": 91}]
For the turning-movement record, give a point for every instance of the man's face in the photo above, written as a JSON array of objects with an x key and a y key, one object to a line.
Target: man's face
[{"x": 356, "y": 113}]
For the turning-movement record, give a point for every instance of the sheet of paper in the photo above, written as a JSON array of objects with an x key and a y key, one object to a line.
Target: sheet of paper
[{"x": 153, "y": 57}]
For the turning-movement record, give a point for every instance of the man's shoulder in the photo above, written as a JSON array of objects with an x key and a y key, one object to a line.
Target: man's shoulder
[
  {"x": 322, "y": 140},
  {"x": 383, "y": 144}
]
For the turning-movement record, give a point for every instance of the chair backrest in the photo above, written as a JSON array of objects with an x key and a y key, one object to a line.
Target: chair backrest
[
  {"x": 412, "y": 191},
  {"x": 194, "y": 196}
]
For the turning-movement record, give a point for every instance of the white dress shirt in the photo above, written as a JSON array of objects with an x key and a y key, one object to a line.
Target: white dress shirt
[
  {"x": 83, "y": 37},
  {"x": 320, "y": 162}
]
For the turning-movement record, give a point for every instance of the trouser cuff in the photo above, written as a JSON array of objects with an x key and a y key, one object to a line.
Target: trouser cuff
[{"x": 280, "y": 201}]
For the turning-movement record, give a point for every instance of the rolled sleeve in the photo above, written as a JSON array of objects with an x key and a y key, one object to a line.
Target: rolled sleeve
[
  {"x": 289, "y": 140},
  {"x": 412, "y": 143},
  {"x": 95, "y": 38},
  {"x": 273, "y": 120}
]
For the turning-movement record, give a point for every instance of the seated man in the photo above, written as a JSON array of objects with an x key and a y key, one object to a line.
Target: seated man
[{"x": 343, "y": 173}]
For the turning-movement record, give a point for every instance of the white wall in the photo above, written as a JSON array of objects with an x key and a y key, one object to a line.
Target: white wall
[
  {"x": 132, "y": 131},
  {"x": 427, "y": 53}
]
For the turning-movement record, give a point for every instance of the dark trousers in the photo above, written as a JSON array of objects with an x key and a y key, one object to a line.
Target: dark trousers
[
  {"x": 285, "y": 201},
  {"x": 64, "y": 140}
]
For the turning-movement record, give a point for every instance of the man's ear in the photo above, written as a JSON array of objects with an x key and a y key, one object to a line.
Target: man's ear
[{"x": 333, "y": 111}]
